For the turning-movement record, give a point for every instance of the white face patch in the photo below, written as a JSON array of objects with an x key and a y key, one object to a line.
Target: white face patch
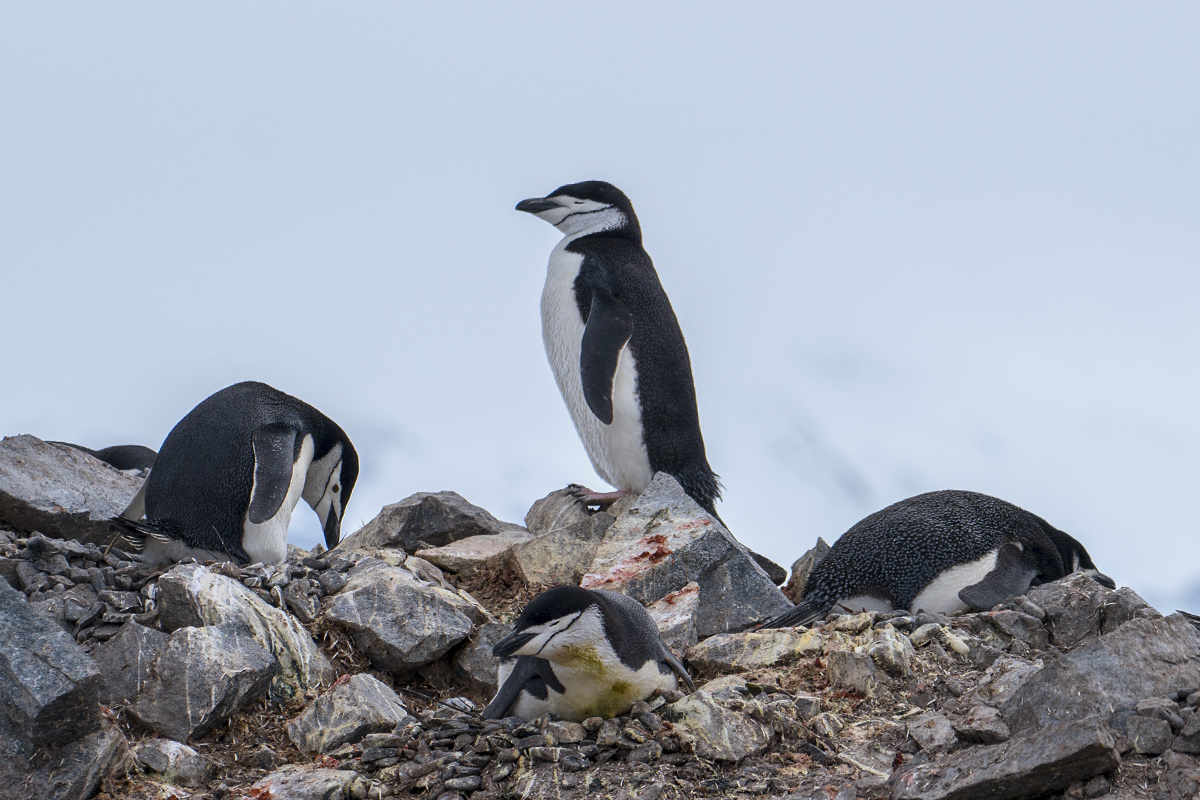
[
  {"x": 574, "y": 216},
  {"x": 543, "y": 635},
  {"x": 323, "y": 484}
]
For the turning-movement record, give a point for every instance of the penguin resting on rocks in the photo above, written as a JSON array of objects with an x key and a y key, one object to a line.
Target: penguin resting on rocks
[
  {"x": 943, "y": 552},
  {"x": 579, "y": 654},
  {"x": 617, "y": 352},
  {"x": 229, "y": 474},
  {"x": 125, "y": 457}
]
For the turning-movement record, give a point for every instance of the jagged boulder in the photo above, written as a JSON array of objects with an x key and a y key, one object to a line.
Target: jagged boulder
[
  {"x": 425, "y": 519},
  {"x": 60, "y": 491},
  {"x": 465, "y": 556},
  {"x": 675, "y": 617},
  {"x": 665, "y": 541},
  {"x": 173, "y": 762},
  {"x": 126, "y": 660},
  {"x": 562, "y": 555},
  {"x": 397, "y": 620},
  {"x": 346, "y": 713},
  {"x": 715, "y": 730},
  {"x": 195, "y": 595}
]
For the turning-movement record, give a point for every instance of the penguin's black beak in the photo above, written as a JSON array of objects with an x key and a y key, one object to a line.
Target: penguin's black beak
[
  {"x": 333, "y": 530},
  {"x": 536, "y": 205},
  {"x": 1105, "y": 581},
  {"x": 511, "y": 644}
]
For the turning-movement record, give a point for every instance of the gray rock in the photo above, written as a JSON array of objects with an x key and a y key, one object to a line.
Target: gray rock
[
  {"x": 1073, "y": 608},
  {"x": 675, "y": 618},
  {"x": 398, "y": 621},
  {"x": 1188, "y": 740},
  {"x": 802, "y": 566},
  {"x": 666, "y": 541},
  {"x": 808, "y": 705},
  {"x": 982, "y": 724},
  {"x": 202, "y": 677},
  {"x": 856, "y": 671},
  {"x": 1142, "y": 658},
  {"x": 716, "y": 731},
  {"x": 425, "y": 519},
  {"x": 194, "y": 595},
  {"x": 70, "y": 772},
  {"x": 1121, "y": 606},
  {"x": 556, "y": 511},
  {"x": 1046, "y": 762},
  {"x": 474, "y": 661},
  {"x": 465, "y": 556},
  {"x": 892, "y": 652},
  {"x": 933, "y": 732},
  {"x": 125, "y": 661},
  {"x": 563, "y": 555},
  {"x": 298, "y": 782},
  {"x": 173, "y": 762},
  {"x": 1020, "y": 626},
  {"x": 60, "y": 491},
  {"x": 1149, "y": 735},
  {"x": 48, "y": 684},
  {"x": 1162, "y": 708},
  {"x": 750, "y": 650},
  {"x": 346, "y": 713}
]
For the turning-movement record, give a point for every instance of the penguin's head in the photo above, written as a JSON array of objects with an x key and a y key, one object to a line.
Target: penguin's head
[
  {"x": 587, "y": 207},
  {"x": 557, "y": 625},
  {"x": 329, "y": 484},
  {"x": 1075, "y": 557}
]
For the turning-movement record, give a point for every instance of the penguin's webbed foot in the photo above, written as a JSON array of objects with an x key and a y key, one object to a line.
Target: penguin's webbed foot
[{"x": 597, "y": 499}]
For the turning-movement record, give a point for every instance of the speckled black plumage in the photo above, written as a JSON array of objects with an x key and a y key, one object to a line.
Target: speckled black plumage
[
  {"x": 615, "y": 265},
  {"x": 199, "y": 488},
  {"x": 895, "y": 553}
]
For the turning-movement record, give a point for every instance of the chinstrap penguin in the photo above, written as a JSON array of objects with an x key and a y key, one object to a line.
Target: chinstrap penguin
[
  {"x": 945, "y": 552},
  {"x": 579, "y": 654},
  {"x": 617, "y": 352},
  {"x": 229, "y": 474}
]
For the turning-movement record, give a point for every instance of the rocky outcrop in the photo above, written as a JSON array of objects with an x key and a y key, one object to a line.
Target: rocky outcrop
[
  {"x": 666, "y": 541},
  {"x": 346, "y": 713},
  {"x": 425, "y": 519},
  {"x": 60, "y": 491}
]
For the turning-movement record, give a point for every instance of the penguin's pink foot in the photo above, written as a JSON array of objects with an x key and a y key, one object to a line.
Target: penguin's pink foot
[{"x": 598, "y": 499}]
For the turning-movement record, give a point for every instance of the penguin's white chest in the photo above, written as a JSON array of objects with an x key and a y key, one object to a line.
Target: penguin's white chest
[
  {"x": 598, "y": 684},
  {"x": 617, "y": 451},
  {"x": 266, "y": 542}
]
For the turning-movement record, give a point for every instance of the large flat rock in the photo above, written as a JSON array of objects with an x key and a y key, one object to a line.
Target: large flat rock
[
  {"x": 202, "y": 677},
  {"x": 1144, "y": 658},
  {"x": 397, "y": 620},
  {"x": 466, "y": 556},
  {"x": 665, "y": 541},
  {"x": 1047, "y": 761},
  {"x": 60, "y": 491},
  {"x": 48, "y": 684},
  {"x": 194, "y": 595},
  {"x": 716, "y": 731},
  {"x": 425, "y": 519}
]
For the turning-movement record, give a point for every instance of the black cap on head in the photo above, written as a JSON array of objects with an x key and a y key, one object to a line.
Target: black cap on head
[{"x": 554, "y": 603}]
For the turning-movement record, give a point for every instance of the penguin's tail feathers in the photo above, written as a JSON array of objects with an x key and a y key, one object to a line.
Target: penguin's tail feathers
[
  {"x": 136, "y": 533},
  {"x": 806, "y": 612}
]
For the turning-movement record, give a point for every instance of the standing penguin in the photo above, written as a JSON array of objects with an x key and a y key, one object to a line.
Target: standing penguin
[
  {"x": 944, "y": 552},
  {"x": 230, "y": 473},
  {"x": 580, "y": 654},
  {"x": 617, "y": 351}
]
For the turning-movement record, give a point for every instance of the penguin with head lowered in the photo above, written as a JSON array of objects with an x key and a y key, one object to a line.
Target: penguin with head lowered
[
  {"x": 579, "y": 654},
  {"x": 942, "y": 552},
  {"x": 616, "y": 349},
  {"x": 229, "y": 474}
]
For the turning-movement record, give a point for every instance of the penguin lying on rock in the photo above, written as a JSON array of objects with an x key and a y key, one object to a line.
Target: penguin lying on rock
[
  {"x": 617, "y": 352},
  {"x": 122, "y": 456},
  {"x": 579, "y": 654},
  {"x": 230, "y": 473},
  {"x": 944, "y": 552}
]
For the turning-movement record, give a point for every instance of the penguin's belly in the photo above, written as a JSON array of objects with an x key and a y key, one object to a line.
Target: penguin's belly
[
  {"x": 597, "y": 689},
  {"x": 940, "y": 595},
  {"x": 266, "y": 542},
  {"x": 617, "y": 451}
]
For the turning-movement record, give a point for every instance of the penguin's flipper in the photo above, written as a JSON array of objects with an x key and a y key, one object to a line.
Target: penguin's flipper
[
  {"x": 609, "y": 326},
  {"x": 526, "y": 675},
  {"x": 1010, "y": 577},
  {"x": 137, "y": 506},
  {"x": 274, "y": 452},
  {"x": 677, "y": 667}
]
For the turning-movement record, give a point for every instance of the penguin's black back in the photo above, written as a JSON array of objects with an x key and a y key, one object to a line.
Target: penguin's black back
[
  {"x": 199, "y": 488},
  {"x": 615, "y": 262},
  {"x": 896, "y": 552}
]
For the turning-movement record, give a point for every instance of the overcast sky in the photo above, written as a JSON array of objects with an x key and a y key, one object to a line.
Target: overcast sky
[{"x": 912, "y": 247}]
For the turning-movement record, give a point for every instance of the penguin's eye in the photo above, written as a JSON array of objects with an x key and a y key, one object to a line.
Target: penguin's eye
[{"x": 336, "y": 488}]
